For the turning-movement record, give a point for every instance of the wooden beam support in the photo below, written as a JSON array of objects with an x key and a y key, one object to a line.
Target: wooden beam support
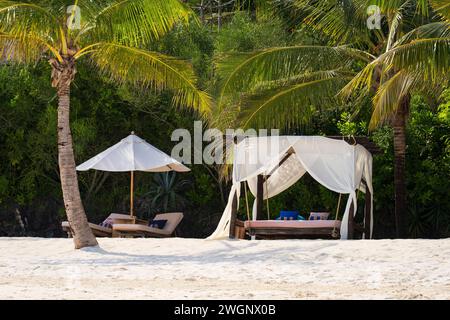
[
  {"x": 367, "y": 217},
  {"x": 259, "y": 197},
  {"x": 234, "y": 207},
  {"x": 351, "y": 222},
  {"x": 289, "y": 153}
]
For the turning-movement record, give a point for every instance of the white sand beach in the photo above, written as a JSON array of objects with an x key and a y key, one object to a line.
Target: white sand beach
[{"x": 35, "y": 268}]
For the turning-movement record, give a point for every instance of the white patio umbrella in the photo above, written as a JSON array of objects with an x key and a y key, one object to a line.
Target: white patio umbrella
[{"x": 133, "y": 154}]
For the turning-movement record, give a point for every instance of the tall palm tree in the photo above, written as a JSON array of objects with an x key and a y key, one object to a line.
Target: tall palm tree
[
  {"x": 112, "y": 35},
  {"x": 277, "y": 86}
]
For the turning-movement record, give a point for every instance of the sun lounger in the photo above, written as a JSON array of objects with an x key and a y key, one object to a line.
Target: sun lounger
[
  {"x": 97, "y": 230},
  {"x": 276, "y": 229},
  {"x": 140, "y": 230},
  {"x": 102, "y": 231}
]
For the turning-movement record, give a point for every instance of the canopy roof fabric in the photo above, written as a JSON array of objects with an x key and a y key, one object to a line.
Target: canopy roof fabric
[
  {"x": 335, "y": 164},
  {"x": 133, "y": 154}
]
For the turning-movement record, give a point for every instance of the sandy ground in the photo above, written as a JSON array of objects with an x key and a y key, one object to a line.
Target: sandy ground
[{"x": 35, "y": 268}]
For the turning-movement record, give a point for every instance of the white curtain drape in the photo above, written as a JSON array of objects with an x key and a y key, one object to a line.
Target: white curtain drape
[
  {"x": 281, "y": 179},
  {"x": 223, "y": 228},
  {"x": 333, "y": 163}
]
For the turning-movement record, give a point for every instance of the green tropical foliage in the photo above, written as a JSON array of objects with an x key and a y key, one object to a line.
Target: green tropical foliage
[
  {"x": 164, "y": 194},
  {"x": 288, "y": 80}
]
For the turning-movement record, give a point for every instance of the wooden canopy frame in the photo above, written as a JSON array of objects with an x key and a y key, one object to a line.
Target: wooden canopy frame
[{"x": 274, "y": 233}]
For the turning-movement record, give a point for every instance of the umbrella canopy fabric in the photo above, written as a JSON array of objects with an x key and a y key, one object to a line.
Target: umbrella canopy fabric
[{"x": 133, "y": 154}]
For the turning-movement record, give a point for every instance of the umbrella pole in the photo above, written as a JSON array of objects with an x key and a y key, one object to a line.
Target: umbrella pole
[{"x": 131, "y": 194}]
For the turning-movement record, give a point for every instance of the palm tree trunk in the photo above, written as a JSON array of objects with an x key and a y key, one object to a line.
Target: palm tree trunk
[
  {"x": 82, "y": 234},
  {"x": 399, "y": 126}
]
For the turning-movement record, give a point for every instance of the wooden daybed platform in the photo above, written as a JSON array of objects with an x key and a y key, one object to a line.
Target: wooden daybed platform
[{"x": 286, "y": 229}]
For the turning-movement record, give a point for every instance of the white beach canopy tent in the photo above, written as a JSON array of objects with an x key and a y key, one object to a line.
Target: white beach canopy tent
[
  {"x": 335, "y": 164},
  {"x": 133, "y": 154}
]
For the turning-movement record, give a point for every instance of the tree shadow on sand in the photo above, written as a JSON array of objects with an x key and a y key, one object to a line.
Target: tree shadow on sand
[{"x": 229, "y": 253}]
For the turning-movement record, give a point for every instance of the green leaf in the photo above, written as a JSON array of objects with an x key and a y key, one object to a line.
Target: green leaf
[
  {"x": 290, "y": 102},
  {"x": 153, "y": 70},
  {"x": 389, "y": 96},
  {"x": 241, "y": 72},
  {"x": 137, "y": 22},
  {"x": 24, "y": 20},
  {"x": 442, "y": 7}
]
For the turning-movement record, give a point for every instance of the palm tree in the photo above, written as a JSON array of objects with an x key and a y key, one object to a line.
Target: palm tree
[
  {"x": 111, "y": 34},
  {"x": 277, "y": 86}
]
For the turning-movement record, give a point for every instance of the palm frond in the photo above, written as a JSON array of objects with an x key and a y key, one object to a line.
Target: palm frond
[
  {"x": 395, "y": 24},
  {"x": 439, "y": 29},
  {"x": 422, "y": 6},
  {"x": 289, "y": 104},
  {"x": 151, "y": 69},
  {"x": 24, "y": 20},
  {"x": 342, "y": 21},
  {"x": 432, "y": 55},
  {"x": 362, "y": 82},
  {"x": 82, "y": 12},
  {"x": 442, "y": 7},
  {"x": 137, "y": 22},
  {"x": 225, "y": 116},
  {"x": 22, "y": 49},
  {"x": 389, "y": 95},
  {"x": 241, "y": 72},
  {"x": 391, "y": 7}
]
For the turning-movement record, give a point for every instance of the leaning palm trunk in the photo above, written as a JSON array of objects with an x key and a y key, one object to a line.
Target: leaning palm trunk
[
  {"x": 62, "y": 77},
  {"x": 399, "y": 126}
]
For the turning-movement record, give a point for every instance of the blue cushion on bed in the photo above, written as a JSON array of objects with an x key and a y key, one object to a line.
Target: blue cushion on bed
[
  {"x": 289, "y": 215},
  {"x": 157, "y": 223}
]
